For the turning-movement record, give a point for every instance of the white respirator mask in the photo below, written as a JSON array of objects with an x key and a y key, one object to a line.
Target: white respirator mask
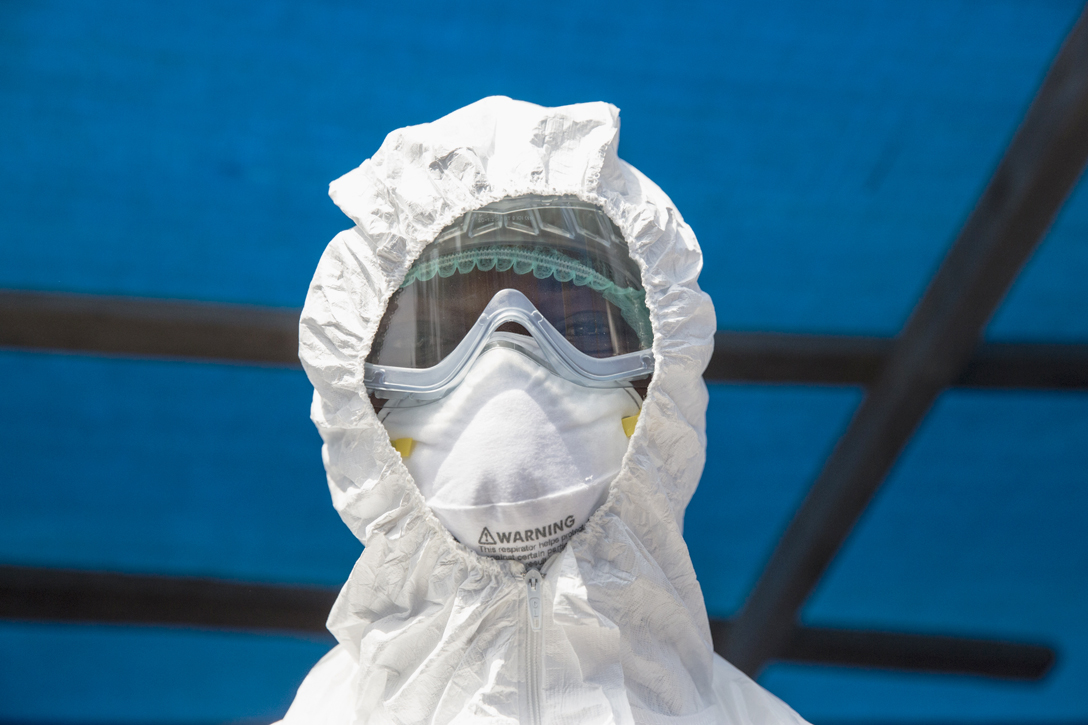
[{"x": 516, "y": 458}]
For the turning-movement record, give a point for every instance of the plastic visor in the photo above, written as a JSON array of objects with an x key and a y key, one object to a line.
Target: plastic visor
[
  {"x": 575, "y": 279},
  {"x": 546, "y": 345}
]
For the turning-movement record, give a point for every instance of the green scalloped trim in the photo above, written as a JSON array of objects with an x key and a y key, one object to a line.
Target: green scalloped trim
[{"x": 543, "y": 263}]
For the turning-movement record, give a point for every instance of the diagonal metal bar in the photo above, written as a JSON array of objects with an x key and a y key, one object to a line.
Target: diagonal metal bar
[
  {"x": 1039, "y": 169},
  {"x": 59, "y": 595},
  {"x": 147, "y": 327}
]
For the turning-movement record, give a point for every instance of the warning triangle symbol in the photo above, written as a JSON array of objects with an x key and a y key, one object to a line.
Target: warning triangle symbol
[{"x": 486, "y": 537}]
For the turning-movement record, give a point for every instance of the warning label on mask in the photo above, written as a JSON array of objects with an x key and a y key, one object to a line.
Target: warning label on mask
[{"x": 528, "y": 545}]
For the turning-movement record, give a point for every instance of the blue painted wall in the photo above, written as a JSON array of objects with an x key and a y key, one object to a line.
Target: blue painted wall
[{"x": 826, "y": 155}]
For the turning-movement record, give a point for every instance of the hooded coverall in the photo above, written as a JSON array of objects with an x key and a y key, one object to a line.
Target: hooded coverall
[{"x": 431, "y": 632}]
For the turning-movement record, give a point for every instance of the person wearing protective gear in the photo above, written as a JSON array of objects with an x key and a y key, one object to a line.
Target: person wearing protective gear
[{"x": 507, "y": 355}]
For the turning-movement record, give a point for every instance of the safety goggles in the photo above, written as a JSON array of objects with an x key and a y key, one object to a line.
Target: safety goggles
[{"x": 553, "y": 267}]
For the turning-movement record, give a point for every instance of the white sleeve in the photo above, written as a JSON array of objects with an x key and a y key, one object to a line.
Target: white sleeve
[
  {"x": 325, "y": 696},
  {"x": 744, "y": 702}
]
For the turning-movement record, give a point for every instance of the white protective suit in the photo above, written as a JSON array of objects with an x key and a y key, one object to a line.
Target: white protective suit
[{"x": 430, "y": 631}]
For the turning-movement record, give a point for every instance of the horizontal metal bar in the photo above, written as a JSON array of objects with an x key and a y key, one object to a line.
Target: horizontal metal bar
[
  {"x": 134, "y": 326},
  {"x": 202, "y": 331},
  {"x": 1045, "y": 366},
  {"x": 872, "y": 649},
  {"x": 768, "y": 357},
  {"x": 61, "y": 595}
]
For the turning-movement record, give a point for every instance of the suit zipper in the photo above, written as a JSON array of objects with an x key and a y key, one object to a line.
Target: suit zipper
[{"x": 534, "y": 585}]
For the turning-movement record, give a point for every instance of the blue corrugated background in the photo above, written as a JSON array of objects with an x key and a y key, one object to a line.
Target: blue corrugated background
[{"x": 826, "y": 155}]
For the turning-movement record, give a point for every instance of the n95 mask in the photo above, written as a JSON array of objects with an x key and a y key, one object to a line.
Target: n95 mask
[{"x": 515, "y": 459}]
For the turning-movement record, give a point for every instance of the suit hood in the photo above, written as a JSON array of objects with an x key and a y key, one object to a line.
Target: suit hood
[{"x": 429, "y": 630}]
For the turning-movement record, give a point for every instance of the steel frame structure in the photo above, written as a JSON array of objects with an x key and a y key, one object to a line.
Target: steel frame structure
[{"x": 938, "y": 348}]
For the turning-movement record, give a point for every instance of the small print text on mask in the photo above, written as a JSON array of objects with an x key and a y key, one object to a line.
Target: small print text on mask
[{"x": 527, "y": 544}]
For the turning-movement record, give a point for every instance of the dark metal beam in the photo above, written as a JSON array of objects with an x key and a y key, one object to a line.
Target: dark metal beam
[
  {"x": 920, "y": 653},
  {"x": 870, "y": 649},
  {"x": 1039, "y": 169},
  {"x": 146, "y": 327},
  {"x": 60, "y": 595},
  {"x": 203, "y": 331},
  {"x": 767, "y": 357},
  {"x": 1040, "y": 366}
]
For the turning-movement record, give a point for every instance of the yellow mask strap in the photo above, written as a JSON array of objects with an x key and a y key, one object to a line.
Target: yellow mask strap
[
  {"x": 404, "y": 446},
  {"x": 629, "y": 424}
]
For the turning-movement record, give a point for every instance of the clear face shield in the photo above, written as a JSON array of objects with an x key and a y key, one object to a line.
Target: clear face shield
[{"x": 549, "y": 277}]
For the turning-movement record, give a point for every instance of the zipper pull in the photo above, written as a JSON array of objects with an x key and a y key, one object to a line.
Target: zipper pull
[{"x": 533, "y": 587}]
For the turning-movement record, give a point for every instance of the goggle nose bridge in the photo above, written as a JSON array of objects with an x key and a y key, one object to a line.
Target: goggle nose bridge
[{"x": 508, "y": 305}]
